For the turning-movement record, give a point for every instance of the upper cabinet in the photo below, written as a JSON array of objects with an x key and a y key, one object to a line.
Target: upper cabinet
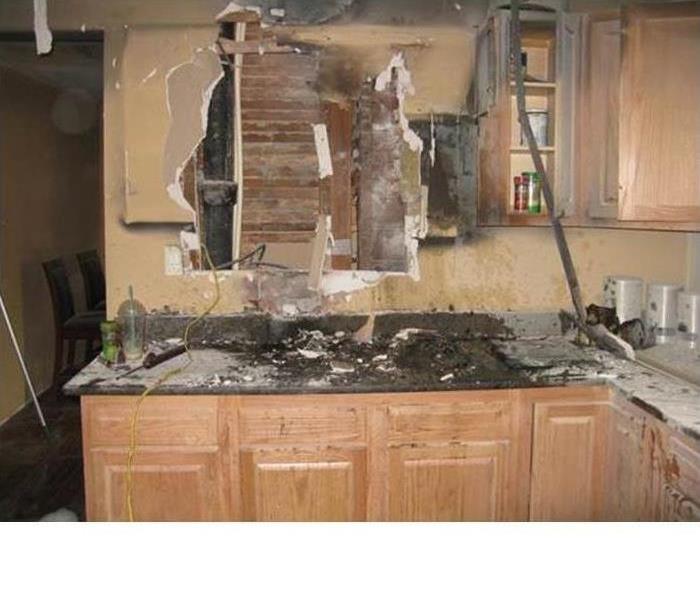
[
  {"x": 659, "y": 113},
  {"x": 621, "y": 91},
  {"x": 550, "y": 51}
]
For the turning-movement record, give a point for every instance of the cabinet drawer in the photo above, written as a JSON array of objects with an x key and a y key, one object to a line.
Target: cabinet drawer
[
  {"x": 268, "y": 425},
  {"x": 489, "y": 419},
  {"x": 188, "y": 421},
  {"x": 683, "y": 469}
]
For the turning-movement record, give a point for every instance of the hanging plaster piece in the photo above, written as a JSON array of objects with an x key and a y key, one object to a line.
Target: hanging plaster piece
[
  {"x": 189, "y": 88},
  {"x": 323, "y": 151},
  {"x": 404, "y": 86},
  {"x": 42, "y": 33},
  {"x": 413, "y": 232},
  {"x": 322, "y": 244}
]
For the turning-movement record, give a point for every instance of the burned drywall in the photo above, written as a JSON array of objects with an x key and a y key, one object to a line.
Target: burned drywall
[{"x": 448, "y": 171}]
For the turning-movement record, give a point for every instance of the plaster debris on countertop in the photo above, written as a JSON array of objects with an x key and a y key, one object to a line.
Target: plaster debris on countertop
[{"x": 394, "y": 359}]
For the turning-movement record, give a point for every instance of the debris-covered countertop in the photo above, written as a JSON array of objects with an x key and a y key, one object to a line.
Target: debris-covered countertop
[{"x": 410, "y": 360}]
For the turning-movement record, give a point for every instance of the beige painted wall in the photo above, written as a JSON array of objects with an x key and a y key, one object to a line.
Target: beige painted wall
[
  {"x": 499, "y": 269},
  {"x": 50, "y": 206}
]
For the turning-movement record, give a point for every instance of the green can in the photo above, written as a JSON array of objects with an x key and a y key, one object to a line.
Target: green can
[
  {"x": 534, "y": 198},
  {"x": 110, "y": 341}
]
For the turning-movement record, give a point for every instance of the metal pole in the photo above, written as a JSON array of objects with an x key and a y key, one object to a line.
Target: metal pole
[{"x": 23, "y": 365}]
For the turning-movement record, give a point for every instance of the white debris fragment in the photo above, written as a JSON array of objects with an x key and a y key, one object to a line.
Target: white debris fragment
[
  {"x": 337, "y": 367},
  {"x": 147, "y": 77},
  {"x": 404, "y": 334},
  {"x": 447, "y": 377},
  {"x": 339, "y": 334},
  {"x": 404, "y": 86},
  {"x": 42, "y": 33},
  {"x": 278, "y": 12},
  {"x": 83, "y": 28},
  {"x": 457, "y": 6},
  {"x": 114, "y": 62},
  {"x": 323, "y": 151},
  {"x": 290, "y": 309},
  {"x": 380, "y": 357},
  {"x": 309, "y": 353}
]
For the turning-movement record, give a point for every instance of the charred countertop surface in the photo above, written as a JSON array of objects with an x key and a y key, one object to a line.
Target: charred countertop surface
[{"x": 411, "y": 360}]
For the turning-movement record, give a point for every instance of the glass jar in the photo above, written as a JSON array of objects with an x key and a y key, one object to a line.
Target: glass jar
[{"x": 132, "y": 320}]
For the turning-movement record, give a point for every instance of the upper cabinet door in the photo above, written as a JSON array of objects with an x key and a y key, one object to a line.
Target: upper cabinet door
[{"x": 659, "y": 114}]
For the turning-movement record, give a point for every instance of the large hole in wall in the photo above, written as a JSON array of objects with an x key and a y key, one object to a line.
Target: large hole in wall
[{"x": 290, "y": 178}]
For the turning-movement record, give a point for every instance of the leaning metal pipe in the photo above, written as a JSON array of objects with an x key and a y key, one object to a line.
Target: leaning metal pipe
[{"x": 23, "y": 365}]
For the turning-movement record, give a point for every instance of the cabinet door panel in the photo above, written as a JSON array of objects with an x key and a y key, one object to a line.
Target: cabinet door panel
[
  {"x": 455, "y": 483},
  {"x": 631, "y": 482},
  {"x": 660, "y": 121},
  {"x": 600, "y": 114},
  {"x": 567, "y": 462},
  {"x": 304, "y": 485},
  {"x": 169, "y": 484}
]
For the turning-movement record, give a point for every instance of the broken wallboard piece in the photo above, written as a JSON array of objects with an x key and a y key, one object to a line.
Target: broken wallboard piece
[
  {"x": 42, "y": 33},
  {"x": 321, "y": 250},
  {"x": 448, "y": 172},
  {"x": 180, "y": 69},
  {"x": 323, "y": 151},
  {"x": 189, "y": 89}
]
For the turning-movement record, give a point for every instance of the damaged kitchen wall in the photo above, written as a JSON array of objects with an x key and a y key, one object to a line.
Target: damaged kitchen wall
[{"x": 494, "y": 268}]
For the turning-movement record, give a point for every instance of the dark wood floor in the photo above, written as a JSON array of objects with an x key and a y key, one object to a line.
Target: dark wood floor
[{"x": 39, "y": 475}]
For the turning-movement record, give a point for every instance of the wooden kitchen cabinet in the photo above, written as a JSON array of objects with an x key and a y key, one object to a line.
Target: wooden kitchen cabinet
[
  {"x": 659, "y": 116},
  {"x": 462, "y": 459},
  {"x": 632, "y": 479},
  {"x": 551, "y": 41},
  {"x": 678, "y": 468},
  {"x": 552, "y": 454},
  {"x": 568, "y": 456},
  {"x": 464, "y": 482},
  {"x": 304, "y": 485},
  {"x": 180, "y": 468}
]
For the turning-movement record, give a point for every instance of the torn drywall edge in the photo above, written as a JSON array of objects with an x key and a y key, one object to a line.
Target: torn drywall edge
[
  {"x": 403, "y": 86},
  {"x": 323, "y": 242},
  {"x": 173, "y": 187},
  {"x": 234, "y": 7},
  {"x": 323, "y": 151},
  {"x": 412, "y": 229},
  {"x": 42, "y": 33}
]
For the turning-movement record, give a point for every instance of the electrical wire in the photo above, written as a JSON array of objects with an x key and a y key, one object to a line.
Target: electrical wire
[{"x": 129, "y": 493}]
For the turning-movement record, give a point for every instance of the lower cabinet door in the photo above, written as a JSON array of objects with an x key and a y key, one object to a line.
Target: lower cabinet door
[
  {"x": 462, "y": 482},
  {"x": 304, "y": 485},
  {"x": 568, "y": 456},
  {"x": 169, "y": 484}
]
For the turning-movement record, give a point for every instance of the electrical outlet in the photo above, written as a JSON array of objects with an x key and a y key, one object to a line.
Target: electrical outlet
[{"x": 173, "y": 260}]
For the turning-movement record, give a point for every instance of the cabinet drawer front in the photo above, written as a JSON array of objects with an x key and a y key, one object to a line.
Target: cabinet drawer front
[
  {"x": 459, "y": 421},
  {"x": 187, "y": 421},
  {"x": 268, "y": 425}
]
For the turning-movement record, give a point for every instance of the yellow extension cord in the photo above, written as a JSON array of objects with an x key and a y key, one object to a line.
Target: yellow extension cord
[{"x": 161, "y": 380}]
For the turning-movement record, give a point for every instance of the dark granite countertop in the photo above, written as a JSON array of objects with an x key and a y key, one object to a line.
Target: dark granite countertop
[{"x": 410, "y": 360}]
